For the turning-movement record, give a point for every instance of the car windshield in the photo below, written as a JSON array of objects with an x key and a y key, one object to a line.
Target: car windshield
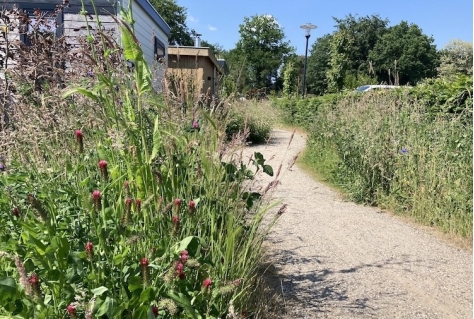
[{"x": 362, "y": 88}]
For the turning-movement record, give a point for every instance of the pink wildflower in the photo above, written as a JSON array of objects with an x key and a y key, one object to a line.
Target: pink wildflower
[{"x": 207, "y": 283}]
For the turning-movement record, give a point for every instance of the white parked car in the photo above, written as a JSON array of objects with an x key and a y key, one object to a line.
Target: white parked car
[{"x": 365, "y": 88}]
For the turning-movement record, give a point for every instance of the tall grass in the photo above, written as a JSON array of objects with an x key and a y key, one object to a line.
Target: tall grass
[
  {"x": 116, "y": 204},
  {"x": 390, "y": 149}
]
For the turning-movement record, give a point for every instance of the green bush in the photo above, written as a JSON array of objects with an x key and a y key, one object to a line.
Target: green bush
[{"x": 251, "y": 120}]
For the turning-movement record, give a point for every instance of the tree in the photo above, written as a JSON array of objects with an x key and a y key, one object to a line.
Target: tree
[
  {"x": 238, "y": 78},
  {"x": 292, "y": 73},
  {"x": 175, "y": 16},
  {"x": 456, "y": 58},
  {"x": 216, "y": 48},
  {"x": 318, "y": 65},
  {"x": 264, "y": 49},
  {"x": 404, "y": 55},
  {"x": 361, "y": 34},
  {"x": 340, "y": 59}
]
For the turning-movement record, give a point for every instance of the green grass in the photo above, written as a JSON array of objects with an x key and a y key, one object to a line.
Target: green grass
[{"x": 393, "y": 151}]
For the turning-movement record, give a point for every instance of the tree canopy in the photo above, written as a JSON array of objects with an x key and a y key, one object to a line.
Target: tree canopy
[
  {"x": 175, "y": 16},
  {"x": 456, "y": 58},
  {"x": 404, "y": 55},
  {"x": 264, "y": 50}
]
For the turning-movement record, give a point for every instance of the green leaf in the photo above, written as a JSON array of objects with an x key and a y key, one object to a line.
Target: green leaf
[
  {"x": 191, "y": 244},
  {"x": 87, "y": 93},
  {"x": 8, "y": 288},
  {"x": 135, "y": 283},
  {"x": 99, "y": 291},
  {"x": 118, "y": 259},
  {"x": 106, "y": 307},
  {"x": 147, "y": 295},
  {"x": 268, "y": 170},
  {"x": 184, "y": 302}
]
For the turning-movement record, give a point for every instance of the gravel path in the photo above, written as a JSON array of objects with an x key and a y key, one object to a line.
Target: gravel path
[{"x": 335, "y": 259}]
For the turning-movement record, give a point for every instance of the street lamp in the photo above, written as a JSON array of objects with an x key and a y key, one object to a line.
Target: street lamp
[{"x": 308, "y": 26}]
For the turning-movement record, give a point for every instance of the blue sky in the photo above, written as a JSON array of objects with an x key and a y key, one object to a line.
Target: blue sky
[{"x": 218, "y": 21}]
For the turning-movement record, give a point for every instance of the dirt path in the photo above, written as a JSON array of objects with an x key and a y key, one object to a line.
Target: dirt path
[{"x": 337, "y": 259}]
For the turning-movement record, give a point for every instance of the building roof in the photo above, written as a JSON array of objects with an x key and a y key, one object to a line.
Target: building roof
[
  {"x": 195, "y": 51},
  {"x": 102, "y": 6}
]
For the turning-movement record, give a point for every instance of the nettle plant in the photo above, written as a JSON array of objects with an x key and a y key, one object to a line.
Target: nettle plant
[{"x": 136, "y": 218}]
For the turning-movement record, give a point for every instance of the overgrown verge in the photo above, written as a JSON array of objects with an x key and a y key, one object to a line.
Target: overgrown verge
[
  {"x": 115, "y": 204},
  {"x": 407, "y": 150}
]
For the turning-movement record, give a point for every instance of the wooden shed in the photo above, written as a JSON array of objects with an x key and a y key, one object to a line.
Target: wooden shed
[{"x": 196, "y": 66}]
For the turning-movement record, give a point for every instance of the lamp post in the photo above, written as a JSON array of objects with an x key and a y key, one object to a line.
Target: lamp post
[{"x": 308, "y": 26}]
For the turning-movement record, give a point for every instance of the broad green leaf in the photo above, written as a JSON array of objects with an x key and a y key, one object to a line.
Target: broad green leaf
[
  {"x": 106, "y": 307},
  {"x": 99, "y": 291},
  {"x": 8, "y": 288},
  {"x": 268, "y": 170},
  {"x": 82, "y": 91}
]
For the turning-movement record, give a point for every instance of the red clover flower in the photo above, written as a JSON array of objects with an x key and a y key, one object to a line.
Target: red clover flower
[
  {"x": 103, "y": 169},
  {"x": 79, "y": 139},
  {"x": 89, "y": 250},
  {"x": 96, "y": 199},
  {"x": 145, "y": 271},
  {"x": 207, "y": 282},
  {"x": 177, "y": 202},
  {"x": 71, "y": 310},
  {"x": 138, "y": 204},
  {"x": 192, "y": 206}
]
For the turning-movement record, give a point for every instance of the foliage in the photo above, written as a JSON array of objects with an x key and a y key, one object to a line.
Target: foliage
[
  {"x": 216, "y": 48},
  {"x": 120, "y": 206},
  {"x": 175, "y": 16},
  {"x": 263, "y": 46},
  {"x": 446, "y": 95},
  {"x": 456, "y": 58},
  {"x": 237, "y": 81},
  {"x": 318, "y": 65},
  {"x": 291, "y": 71},
  {"x": 403, "y": 150},
  {"x": 250, "y": 122},
  {"x": 339, "y": 52},
  {"x": 404, "y": 55}
]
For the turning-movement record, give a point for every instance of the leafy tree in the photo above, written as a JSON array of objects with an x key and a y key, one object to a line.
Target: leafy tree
[
  {"x": 264, "y": 49},
  {"x": 404, "y": 55},
  {"x": 339, "y": 52},
  {"x": 456, "y": 58},
  {"x": 292, "y": 74},
  {"x": 175, "y": 16},
  {"x": 318, "y": 65},
  {"x": 216, "y": 48},
  {"x": 361, "y": 34},
  {"x": 238, "y": 78}
]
